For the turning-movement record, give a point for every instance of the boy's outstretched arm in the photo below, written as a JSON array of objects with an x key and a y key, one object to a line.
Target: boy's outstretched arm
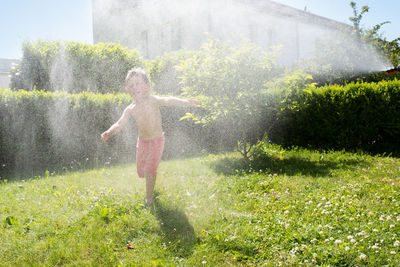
[
  {"x": 116, "y": 127},
  {"x": 174, "y": 101}
]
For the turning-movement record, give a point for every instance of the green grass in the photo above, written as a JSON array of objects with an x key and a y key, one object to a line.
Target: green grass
[{"x": 291, "y": 207}]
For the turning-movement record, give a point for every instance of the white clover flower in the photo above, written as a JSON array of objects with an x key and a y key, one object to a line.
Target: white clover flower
[
  {"x": 393, "y": 252},
  {"x": 391, "y": 226},
  {"x": 347, "y": 248},
  {"x": 362, "y": 257},
  {"x": 375, "y": 246},
  {"x": 360, "y": 233},
  {"x": 350, "y": 237},
  {"x": 338, "y": 241},
  {"x": 352, "y": 240},
  {"x": 396, "y": 243},
  {"x": 375, "y": 230}
]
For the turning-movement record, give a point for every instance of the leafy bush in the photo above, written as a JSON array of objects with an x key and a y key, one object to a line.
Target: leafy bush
[
  {"x": 73, "y": 66},
  {"x": 55, "y": 130},
  {"x": 355, "y": 116},
  {"x": 229, "y": 80},
  {"x": 49, "y": 130},
  {"x": 164, "y": 74}
]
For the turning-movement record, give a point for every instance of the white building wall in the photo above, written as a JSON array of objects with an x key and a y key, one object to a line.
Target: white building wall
[
  {"x": 4, "y": 80},
  {"x": 155, "y": 27},
  {"x": 5, "y": 66}
]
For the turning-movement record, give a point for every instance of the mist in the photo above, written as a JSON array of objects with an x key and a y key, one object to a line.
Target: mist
[{"x": 155, "y": 27}]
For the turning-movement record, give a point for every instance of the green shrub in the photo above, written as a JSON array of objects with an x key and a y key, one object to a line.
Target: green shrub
[
  {"x": 356, "y": 116},
  {"x": 73, "y": 66},
  {"x": 42, "y": 130},
  {"x": 164, "y": 74},
  {"x": 49, "y": 130},
  {"x": 229, "y": 80}
]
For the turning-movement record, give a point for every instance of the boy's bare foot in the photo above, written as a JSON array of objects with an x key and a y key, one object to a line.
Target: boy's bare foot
[{"x": 129, "y": 246}]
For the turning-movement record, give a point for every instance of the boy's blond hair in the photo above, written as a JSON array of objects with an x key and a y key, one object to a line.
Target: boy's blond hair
[{"x": 137, "y": 72}]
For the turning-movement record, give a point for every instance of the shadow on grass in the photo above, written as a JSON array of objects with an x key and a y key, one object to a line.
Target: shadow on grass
[
  {"x": 289, "y": 166},
  {"x": 177, "y": 233}
]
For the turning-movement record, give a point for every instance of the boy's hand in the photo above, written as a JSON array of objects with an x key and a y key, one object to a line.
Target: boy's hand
[
  {"x": 194, "y": 102},
  {"x": 104, "y": 137}
]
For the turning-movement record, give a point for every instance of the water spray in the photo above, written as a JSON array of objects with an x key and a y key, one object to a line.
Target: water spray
[{"x": 392, "y": 71}]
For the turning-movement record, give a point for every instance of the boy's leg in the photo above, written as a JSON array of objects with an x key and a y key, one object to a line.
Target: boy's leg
[
  {"x": 150, "y": 184},
  {"x": 153, "y": 151}
]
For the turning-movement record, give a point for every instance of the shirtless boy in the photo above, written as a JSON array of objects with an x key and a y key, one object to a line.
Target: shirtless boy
[{"x": 145, "y": 110}]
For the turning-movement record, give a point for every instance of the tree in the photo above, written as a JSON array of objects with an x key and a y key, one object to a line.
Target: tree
[
  {"x": 357, "y": 17},
  {"x": 391, "y": 49},
  {"x": 229, "y": 81}
]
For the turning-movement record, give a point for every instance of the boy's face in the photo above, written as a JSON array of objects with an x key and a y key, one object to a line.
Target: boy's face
[{"x": 137, "y": 87}]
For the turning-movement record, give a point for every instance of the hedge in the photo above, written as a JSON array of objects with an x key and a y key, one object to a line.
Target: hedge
[
  {"x": 55, "y": 130},
  {"x": 73, "y": 66},
  {"x": 357, "y": 116}
]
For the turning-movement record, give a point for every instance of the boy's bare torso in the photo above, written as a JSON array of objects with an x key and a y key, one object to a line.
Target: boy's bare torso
[{"x": 147, "y": 115}]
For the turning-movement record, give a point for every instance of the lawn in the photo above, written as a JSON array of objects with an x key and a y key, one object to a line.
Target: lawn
[{"x": 300, "y": 207}]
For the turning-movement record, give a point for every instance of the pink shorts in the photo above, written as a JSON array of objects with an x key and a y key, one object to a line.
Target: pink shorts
[{"x": 148, "y": 155}]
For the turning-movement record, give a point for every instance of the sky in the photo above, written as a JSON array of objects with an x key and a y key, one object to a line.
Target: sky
[
  {"x": 30, "y": 20},
  {"x": 71, "y": 20}
]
